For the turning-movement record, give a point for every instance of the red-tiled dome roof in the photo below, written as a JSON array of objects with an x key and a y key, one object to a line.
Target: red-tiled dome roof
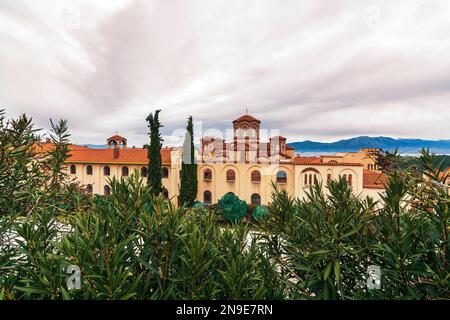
[
  {"x": 116, "y": 137},
  {"x": 374, "y": 180},
  {"x": 246, "y": 117}
]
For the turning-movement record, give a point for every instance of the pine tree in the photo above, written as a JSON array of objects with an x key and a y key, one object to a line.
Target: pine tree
[
  {"x": 154, "y": 177},
  {"x": 188, "y": 187}
]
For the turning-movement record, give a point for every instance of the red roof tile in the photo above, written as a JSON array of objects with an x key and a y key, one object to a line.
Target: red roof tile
[
  {"x": 126, "y": 156},
  {"x": 83, "y": 154},
  {"x": 307, "y": 160},
  {"x": 374, "y": 180},
  {"x": 247, "y": 117},
  {"x": 116, "y": 137}
]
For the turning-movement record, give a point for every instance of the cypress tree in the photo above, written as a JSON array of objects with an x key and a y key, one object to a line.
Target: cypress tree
[
  {"x": 188, "y": 175},
  {"x": 154, "y": 176}
]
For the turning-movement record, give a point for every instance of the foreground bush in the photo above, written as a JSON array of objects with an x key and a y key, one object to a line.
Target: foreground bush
[
  {"x": 134, "y": 245},
  {"x": 325, "y": 243}
]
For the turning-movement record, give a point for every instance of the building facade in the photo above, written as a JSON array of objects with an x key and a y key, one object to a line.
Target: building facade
[{"x": 246, "y": 166}]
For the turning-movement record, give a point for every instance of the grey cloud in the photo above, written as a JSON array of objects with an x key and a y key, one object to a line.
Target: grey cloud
[{"x": 313, "y": 69}]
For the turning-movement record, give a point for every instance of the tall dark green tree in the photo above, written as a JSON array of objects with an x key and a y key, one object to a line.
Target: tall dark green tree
[
  {"x": 188, "y": 187},
  {"x": 154, "y": 153}
]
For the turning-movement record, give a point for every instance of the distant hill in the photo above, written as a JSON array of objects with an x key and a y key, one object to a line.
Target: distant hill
[
  {"x": 96, "y": 146},
  {"x": 385, "y": 143},
  {"x": 409, "y": 161}
]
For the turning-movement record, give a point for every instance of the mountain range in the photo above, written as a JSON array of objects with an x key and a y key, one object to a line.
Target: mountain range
[
  {"x": 408, "y": 146},
  {"x": 386, "y": 143}
]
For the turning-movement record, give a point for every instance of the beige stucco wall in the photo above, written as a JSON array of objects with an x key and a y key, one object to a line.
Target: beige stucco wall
[
  {"x": 242, "y": 186},
  {"x": 362, "y": 157},
  {"x": 323, "y": 171},
  {"x": 98, "y": 180}
]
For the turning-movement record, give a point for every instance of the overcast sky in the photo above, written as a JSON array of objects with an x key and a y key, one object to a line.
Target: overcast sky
[{"x": 318, "y": 70}]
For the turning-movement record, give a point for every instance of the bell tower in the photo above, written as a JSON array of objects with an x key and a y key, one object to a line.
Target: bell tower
[
  {"x": 246, "y": 127},
  {"x": 117, "y": 141}
]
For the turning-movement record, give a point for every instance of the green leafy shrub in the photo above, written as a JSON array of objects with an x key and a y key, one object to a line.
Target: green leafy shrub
[
  {"x": 133, "y": 244},
  {"x": 260, "y": 212},
  {"x": 232, "y": 207}
]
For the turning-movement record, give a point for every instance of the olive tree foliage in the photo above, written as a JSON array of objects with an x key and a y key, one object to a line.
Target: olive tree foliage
[
  {"x": 134, "y": 244},
  {"x": 34, "y": 193},
  {"x": 326, "y": 243}
]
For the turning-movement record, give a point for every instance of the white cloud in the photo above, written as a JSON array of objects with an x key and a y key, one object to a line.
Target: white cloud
[{"x": 314, "y": 69}]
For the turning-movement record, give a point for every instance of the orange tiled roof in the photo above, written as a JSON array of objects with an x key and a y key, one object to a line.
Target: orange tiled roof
[
  {"x": 126, "y": 156},
  {"x": 83, "y": 154},
  {"x": 116, "y": 137},
  {"x": 307, "y": 160},
  {"x": 48, "y": 146},
  {"x": 317, "y": 161},
  {"x": 246, "y": 117},
  {"x": 446, "y": 173},
  {"x": 374, "y": 180}
]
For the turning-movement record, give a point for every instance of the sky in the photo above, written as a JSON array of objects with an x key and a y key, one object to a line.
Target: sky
[{"x": 312, "y": 70}]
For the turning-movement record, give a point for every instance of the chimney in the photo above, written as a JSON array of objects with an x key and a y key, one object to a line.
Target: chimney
[{"x": 116, "y": 152}]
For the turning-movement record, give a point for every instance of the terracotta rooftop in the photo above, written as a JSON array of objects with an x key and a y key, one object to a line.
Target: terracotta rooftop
[
  {"x": 126, "y": 156},
  {"x": 116, "y": 137},
  {"x": 83, "y": 154},
  {"x": 307, "y": 160},
  {"x": 374, "y": 180},
  {"x": 48, "y": 146},
  {"x": 317, "y": 161},
  {"x": 247, "y": 117}
]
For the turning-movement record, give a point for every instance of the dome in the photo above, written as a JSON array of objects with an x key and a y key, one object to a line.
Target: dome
[{"x": 246, "y": 118}]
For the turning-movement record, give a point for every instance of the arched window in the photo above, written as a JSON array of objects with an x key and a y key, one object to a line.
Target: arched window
[
  {"x": 256, "y": 199},
  {"x": 143, "y": 172},
  {"x": 165, "y": 193},
  {"x": 344, "y": 177},
  {"x": 281, "y": 177},
  {"x": 125, "y": 171},
  {"x": 106, "y": 171},
  {"x": 207, "y": 197},
  {"x": 106, "y": 190},
  {"x": 207, "y": 175},
  {"x": 231, "y": 175},
  {"x": 165, "y": 172},
  {"x": 311, "y": 176},
  {"x": 73, "y": 169},
  {"x": 256, "y": 176},
  {"x": 89, "y": 170},
  {"x": 350, "y": 178},
  {"x": 89, "y": 188},
  {"x": 329, "y": 178}
]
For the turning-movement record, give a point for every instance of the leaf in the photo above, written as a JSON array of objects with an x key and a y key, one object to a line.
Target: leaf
[
  {"x": 337, "y": 270},
  {"x": 321, "y": 252},
  {"x": 327, "y": 271}
]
